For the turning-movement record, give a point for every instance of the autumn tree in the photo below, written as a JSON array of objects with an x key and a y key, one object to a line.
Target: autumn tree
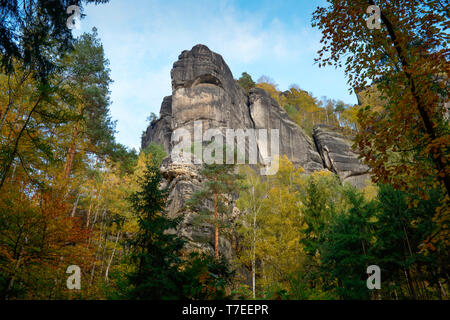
[
  {"x": 310, "y": 237},
  {"x": 87, "y": 73},
  {"x": 250, "y": 203},
  {"x": 82, "y": 224},
  {"x": 39, "y": 239},
  {"x": 303, "y": 108},
  {"x": 270, "y": 228},
  {"x": 405, "y": 143}
]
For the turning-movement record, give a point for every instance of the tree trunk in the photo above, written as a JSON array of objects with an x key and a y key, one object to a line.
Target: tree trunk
[
  {"x": 409, "y": 283},
  {"x": 75, "y": 206},
  {"x": 216, "y": 227},
  {"x": 104, "y": 252},
  {"x": 443, "y": 293},
  {"x": 88, "y": 218},
  {"x": 112, "y": 256}
]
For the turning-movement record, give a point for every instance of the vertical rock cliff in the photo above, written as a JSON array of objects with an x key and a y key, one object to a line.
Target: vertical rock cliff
[{"x": 203, "y": 88}]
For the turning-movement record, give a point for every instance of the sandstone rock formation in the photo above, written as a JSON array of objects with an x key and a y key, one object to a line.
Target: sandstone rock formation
[
  {"x": 294, "y": 143},
  {"x": 338, "y": 156},
  {"x": 203, "y": 88},
  {"x": 160, "y": 131}
]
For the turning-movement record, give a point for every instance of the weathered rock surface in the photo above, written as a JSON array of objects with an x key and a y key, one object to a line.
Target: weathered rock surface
[
  {"x": 294, "y": 143},
  {"x": 338, "y": 156},
  {"x": 203, "y": 89},
  {"x": 160, "y": 131}
]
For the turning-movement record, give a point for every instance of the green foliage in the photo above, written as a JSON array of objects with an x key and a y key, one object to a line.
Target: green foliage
[
  {"x": 207, "y": 278},
  {"x": 246, "y": 81},
  {"x": 309, "y": 237},
  {"x": 158, "y": 268},
  {"x": 155, "y": 251},
  {"x": 399, "y": 232},
  {"x": 64, "y": 180},
  {"x": 156, "y": 151},
  {"x": 345, "y": 254},
  {"x": 152, "y": 118},
  {"x": 33, "y": 29},
  {"x": 58, "y": 155},
  {"x": 88, "y": 70},
  {"x": 322, "y": 198}
]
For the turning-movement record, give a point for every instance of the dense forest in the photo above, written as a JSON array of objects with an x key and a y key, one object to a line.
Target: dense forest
[{"x": 70, "y": 194}]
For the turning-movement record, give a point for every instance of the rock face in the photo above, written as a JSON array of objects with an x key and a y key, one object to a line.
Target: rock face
[
  {"x": 160, "y": 131},
  {"x": 203, "y": 88},
  {"x": 294, "y": 143},
  {"x": 338, "y": 156}
]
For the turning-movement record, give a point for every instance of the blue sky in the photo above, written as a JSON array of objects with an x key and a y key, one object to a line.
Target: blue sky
[{"x": 143, "y": 38}]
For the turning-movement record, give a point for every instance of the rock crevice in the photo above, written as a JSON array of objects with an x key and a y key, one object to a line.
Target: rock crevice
[{"x": 338, "y": 156}]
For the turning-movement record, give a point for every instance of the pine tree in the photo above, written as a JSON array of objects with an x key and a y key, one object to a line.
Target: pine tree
[
  {"x": 346, "y": 253},
  {"x": 399, "y": 231},
  {"x": 160, "y": 271},
  {"x": 156, "y": 250},
  {"x": 220, "y": 185},
  {"x": 30, "y": 29}
]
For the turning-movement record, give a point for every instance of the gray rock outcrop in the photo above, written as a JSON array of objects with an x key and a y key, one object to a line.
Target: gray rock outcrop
[
  {"x": 338, "y": 156},
  {"x": 294, "y": 143},
  {"x": 203, "y": 88},
  {"x": 160, "y": 131}
]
